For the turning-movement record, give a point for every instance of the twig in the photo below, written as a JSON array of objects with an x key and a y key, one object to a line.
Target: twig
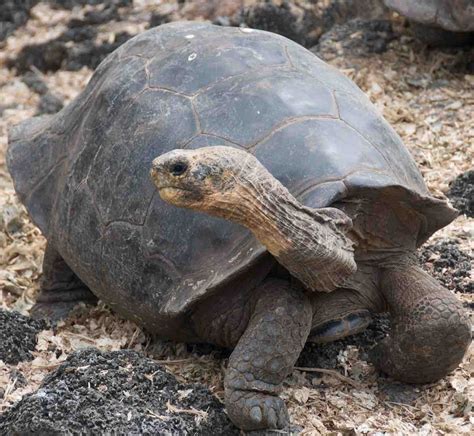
[
  {"x": 405, "y": 407},
  {"x": 134, "y": 336},
  {"x": 160, "y": 417},
  {"x": 192, "y": 411},
  {"x": 332, "y": 372},
  {"x": 10, "y": 388}
]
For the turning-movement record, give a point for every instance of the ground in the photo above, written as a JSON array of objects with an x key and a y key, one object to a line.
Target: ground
[
  {"x": 132, "y": 394},
  {"x": 426, "y": 94}
]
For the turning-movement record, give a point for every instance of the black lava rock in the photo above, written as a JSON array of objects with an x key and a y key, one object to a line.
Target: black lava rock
[
  {"x": 461, "y": 193},
  {"x": 448, "y": 264},
  {"x": 108, "y": 13},
  {"x": 79, "y": 33},
  {"x": 76, "y": 46},
  {"x": 49, "y": 104},
  {"x": 13, "y": 14},
  {"x": 35, "y": 82},
  {"x": 46, "y": 56},
  {"x": 360, "y": 38},
  {"x": 283, "y": 18},
  {"x": 341, "y": 11},
  {"x": 121, "y": 392},
  {"x": 90, "y": 54},
  {"x": 17, "y": 336},
  {"x": 55, "y": 54},
  {"x": 158, "y": 19}
]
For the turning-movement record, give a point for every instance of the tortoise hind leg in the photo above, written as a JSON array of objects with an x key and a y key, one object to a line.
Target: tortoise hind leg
[
  {"x": 60, "y": 289},
  {"x": 430, "y": 330}
]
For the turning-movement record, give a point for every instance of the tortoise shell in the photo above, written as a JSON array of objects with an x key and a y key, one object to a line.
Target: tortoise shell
[
  {"x": 83, "y": 173},
  {"x": 453, "y": 15}
]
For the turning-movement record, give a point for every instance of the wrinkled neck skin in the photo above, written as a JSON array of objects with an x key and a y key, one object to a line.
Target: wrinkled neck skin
[{"x": 311, "y": 244}]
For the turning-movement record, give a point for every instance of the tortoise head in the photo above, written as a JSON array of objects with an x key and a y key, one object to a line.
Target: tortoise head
[
  {"x": 232, "y": 184},
  {"x": 209, "y": 179}
]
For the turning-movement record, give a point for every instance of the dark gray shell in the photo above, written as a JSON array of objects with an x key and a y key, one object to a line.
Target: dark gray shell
[
  {"x": 84, "y": 173},
  {"x": 453, "y": 15}
]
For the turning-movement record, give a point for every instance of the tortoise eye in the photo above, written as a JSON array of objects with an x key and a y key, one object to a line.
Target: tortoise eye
[{"x": 178, "y": 168}]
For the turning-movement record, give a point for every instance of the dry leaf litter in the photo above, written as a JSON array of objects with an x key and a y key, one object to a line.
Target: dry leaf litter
[{"x": 424, "y": 94}]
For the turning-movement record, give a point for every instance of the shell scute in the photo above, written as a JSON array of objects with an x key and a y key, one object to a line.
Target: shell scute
[
  {"x": 139, "y": 282},
  {"x": 247, "y": 108},
  {"x": 310, "y": 152},
  {"x": 154, "y": 123},
  {"x": 188, "y": 70},
  {"x": 83, "y": 232},
  {"x": 206, "y": 140},
  {"x": 305, "y": 61},
  {"x": 370, "y": 124},
  {"x": 124, "y": 82}
]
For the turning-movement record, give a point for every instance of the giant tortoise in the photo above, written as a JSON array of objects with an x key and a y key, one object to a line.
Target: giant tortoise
[
  {"x": 438, "y": 22},
  {"x": 313, "y": 209}
]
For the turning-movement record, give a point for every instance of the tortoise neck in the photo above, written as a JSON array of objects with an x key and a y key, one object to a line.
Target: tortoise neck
[{"x": 310, "y": 243}]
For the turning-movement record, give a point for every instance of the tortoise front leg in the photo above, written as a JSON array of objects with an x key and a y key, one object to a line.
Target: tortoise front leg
[
  {"x": 430, "y": 329},
  {"x": 265, "y": 355}
]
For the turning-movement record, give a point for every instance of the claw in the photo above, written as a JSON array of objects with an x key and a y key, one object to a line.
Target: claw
[
  {"x": 256, "y": 415},
  {"x": 255, "y": 411}
]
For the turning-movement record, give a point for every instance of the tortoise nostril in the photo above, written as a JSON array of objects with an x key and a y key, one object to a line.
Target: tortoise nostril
[
  {"x": 156, "y": 164},
  {"x": 178, "y": 168}
]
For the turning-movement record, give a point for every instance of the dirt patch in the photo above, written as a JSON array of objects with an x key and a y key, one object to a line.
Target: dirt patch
[
  {"x": 117, "y": 392},
  {"x": 17, "y": 336},
  {"x": 461, "y": 193}
]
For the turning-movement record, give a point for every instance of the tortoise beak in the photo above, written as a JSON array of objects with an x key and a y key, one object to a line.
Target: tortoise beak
[{"x": 158, "y": 173}]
